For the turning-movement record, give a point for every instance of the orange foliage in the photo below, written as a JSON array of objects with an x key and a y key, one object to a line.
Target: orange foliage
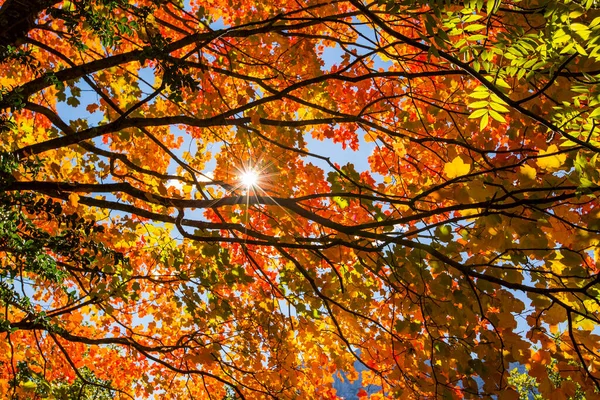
[{"x": 461, "y": 239}]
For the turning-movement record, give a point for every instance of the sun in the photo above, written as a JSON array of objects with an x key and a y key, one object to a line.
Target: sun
[{"x": 249, "y": 178}]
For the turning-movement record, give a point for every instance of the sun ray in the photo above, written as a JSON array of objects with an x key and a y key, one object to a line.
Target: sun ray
[{"x": 249, "y": 178}]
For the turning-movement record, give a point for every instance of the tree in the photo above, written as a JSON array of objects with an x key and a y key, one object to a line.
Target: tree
[{"x": 137, "y": 261}]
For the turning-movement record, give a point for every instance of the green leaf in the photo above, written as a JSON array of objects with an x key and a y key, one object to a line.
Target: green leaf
[
  {"x": 499, "y": 107},
  {"x": 502, "y": 83},
  {"x": 580, "y": 50},
  {"x": 341, "y": 202},
  {"x": 568, "y": 48},
  {"x": 560, "y": 36},
  {"x": 479, "y": 104},
  {"x": 478, "y": 113},
  {"x": 484, "y": 122},
  {"x": 497, "y": 116},
  {"x": 474, "y": 38},
  {"x": 576, "y": 26},
  {"x": 474, "y": 27},
  {"x": 479, "y": 94},
  {"x": 73, "y": 101},
  {"x": 594, "y": 114},
  {"x": 595, "y": 22},
  {"x": 444, "y": 233}
]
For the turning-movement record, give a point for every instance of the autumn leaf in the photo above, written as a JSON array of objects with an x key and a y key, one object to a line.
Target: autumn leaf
[
  {"x": 527, "y": 172},
  {"x": 549, "y": 160},
  {"x": 456, "y": 168},
  {"x": 255, "y": 118},
  {"x": 73, "y": 199}
]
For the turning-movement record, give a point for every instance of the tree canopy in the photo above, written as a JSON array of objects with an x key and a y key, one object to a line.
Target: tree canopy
[{"x": 174, "y": 223}]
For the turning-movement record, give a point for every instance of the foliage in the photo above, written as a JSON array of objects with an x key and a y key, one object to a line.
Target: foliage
[
  {"x": 462, "y": 240},
  {"x": 27, "y": 384},
  {"x": 528, "y": 387}
]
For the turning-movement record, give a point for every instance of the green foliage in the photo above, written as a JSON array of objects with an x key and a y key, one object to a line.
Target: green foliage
[
  {"x": 85, "y": 387},
  {"x": 526, "y": 385},
  {"x": 33, "y": 252}
]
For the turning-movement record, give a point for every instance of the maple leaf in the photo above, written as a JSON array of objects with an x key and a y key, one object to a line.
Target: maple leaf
[
  {"x": 457, "y": 167},
  {"x": 528, "y": 172},
  {"x": 549, "y": 159},
  {"x": 73, "y": 199}
]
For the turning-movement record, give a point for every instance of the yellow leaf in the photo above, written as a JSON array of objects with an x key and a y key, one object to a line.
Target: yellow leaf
[
  {"x": 550, "y": 162},
  {"x": 528, "y": 172},
  {"x": 456, "y": 168},
  {"x": 497, "y": 116},
  {"x": 73, "y": 199},
  {"x": 484, "y": 121},
  {"x": 399, "y": 148},
  {"x": 557, "y": 266},
  {"x": 585, "y": 324}
]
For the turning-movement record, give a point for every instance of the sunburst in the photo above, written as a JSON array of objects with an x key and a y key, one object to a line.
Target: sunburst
[{"x": 250, "y": 178}]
